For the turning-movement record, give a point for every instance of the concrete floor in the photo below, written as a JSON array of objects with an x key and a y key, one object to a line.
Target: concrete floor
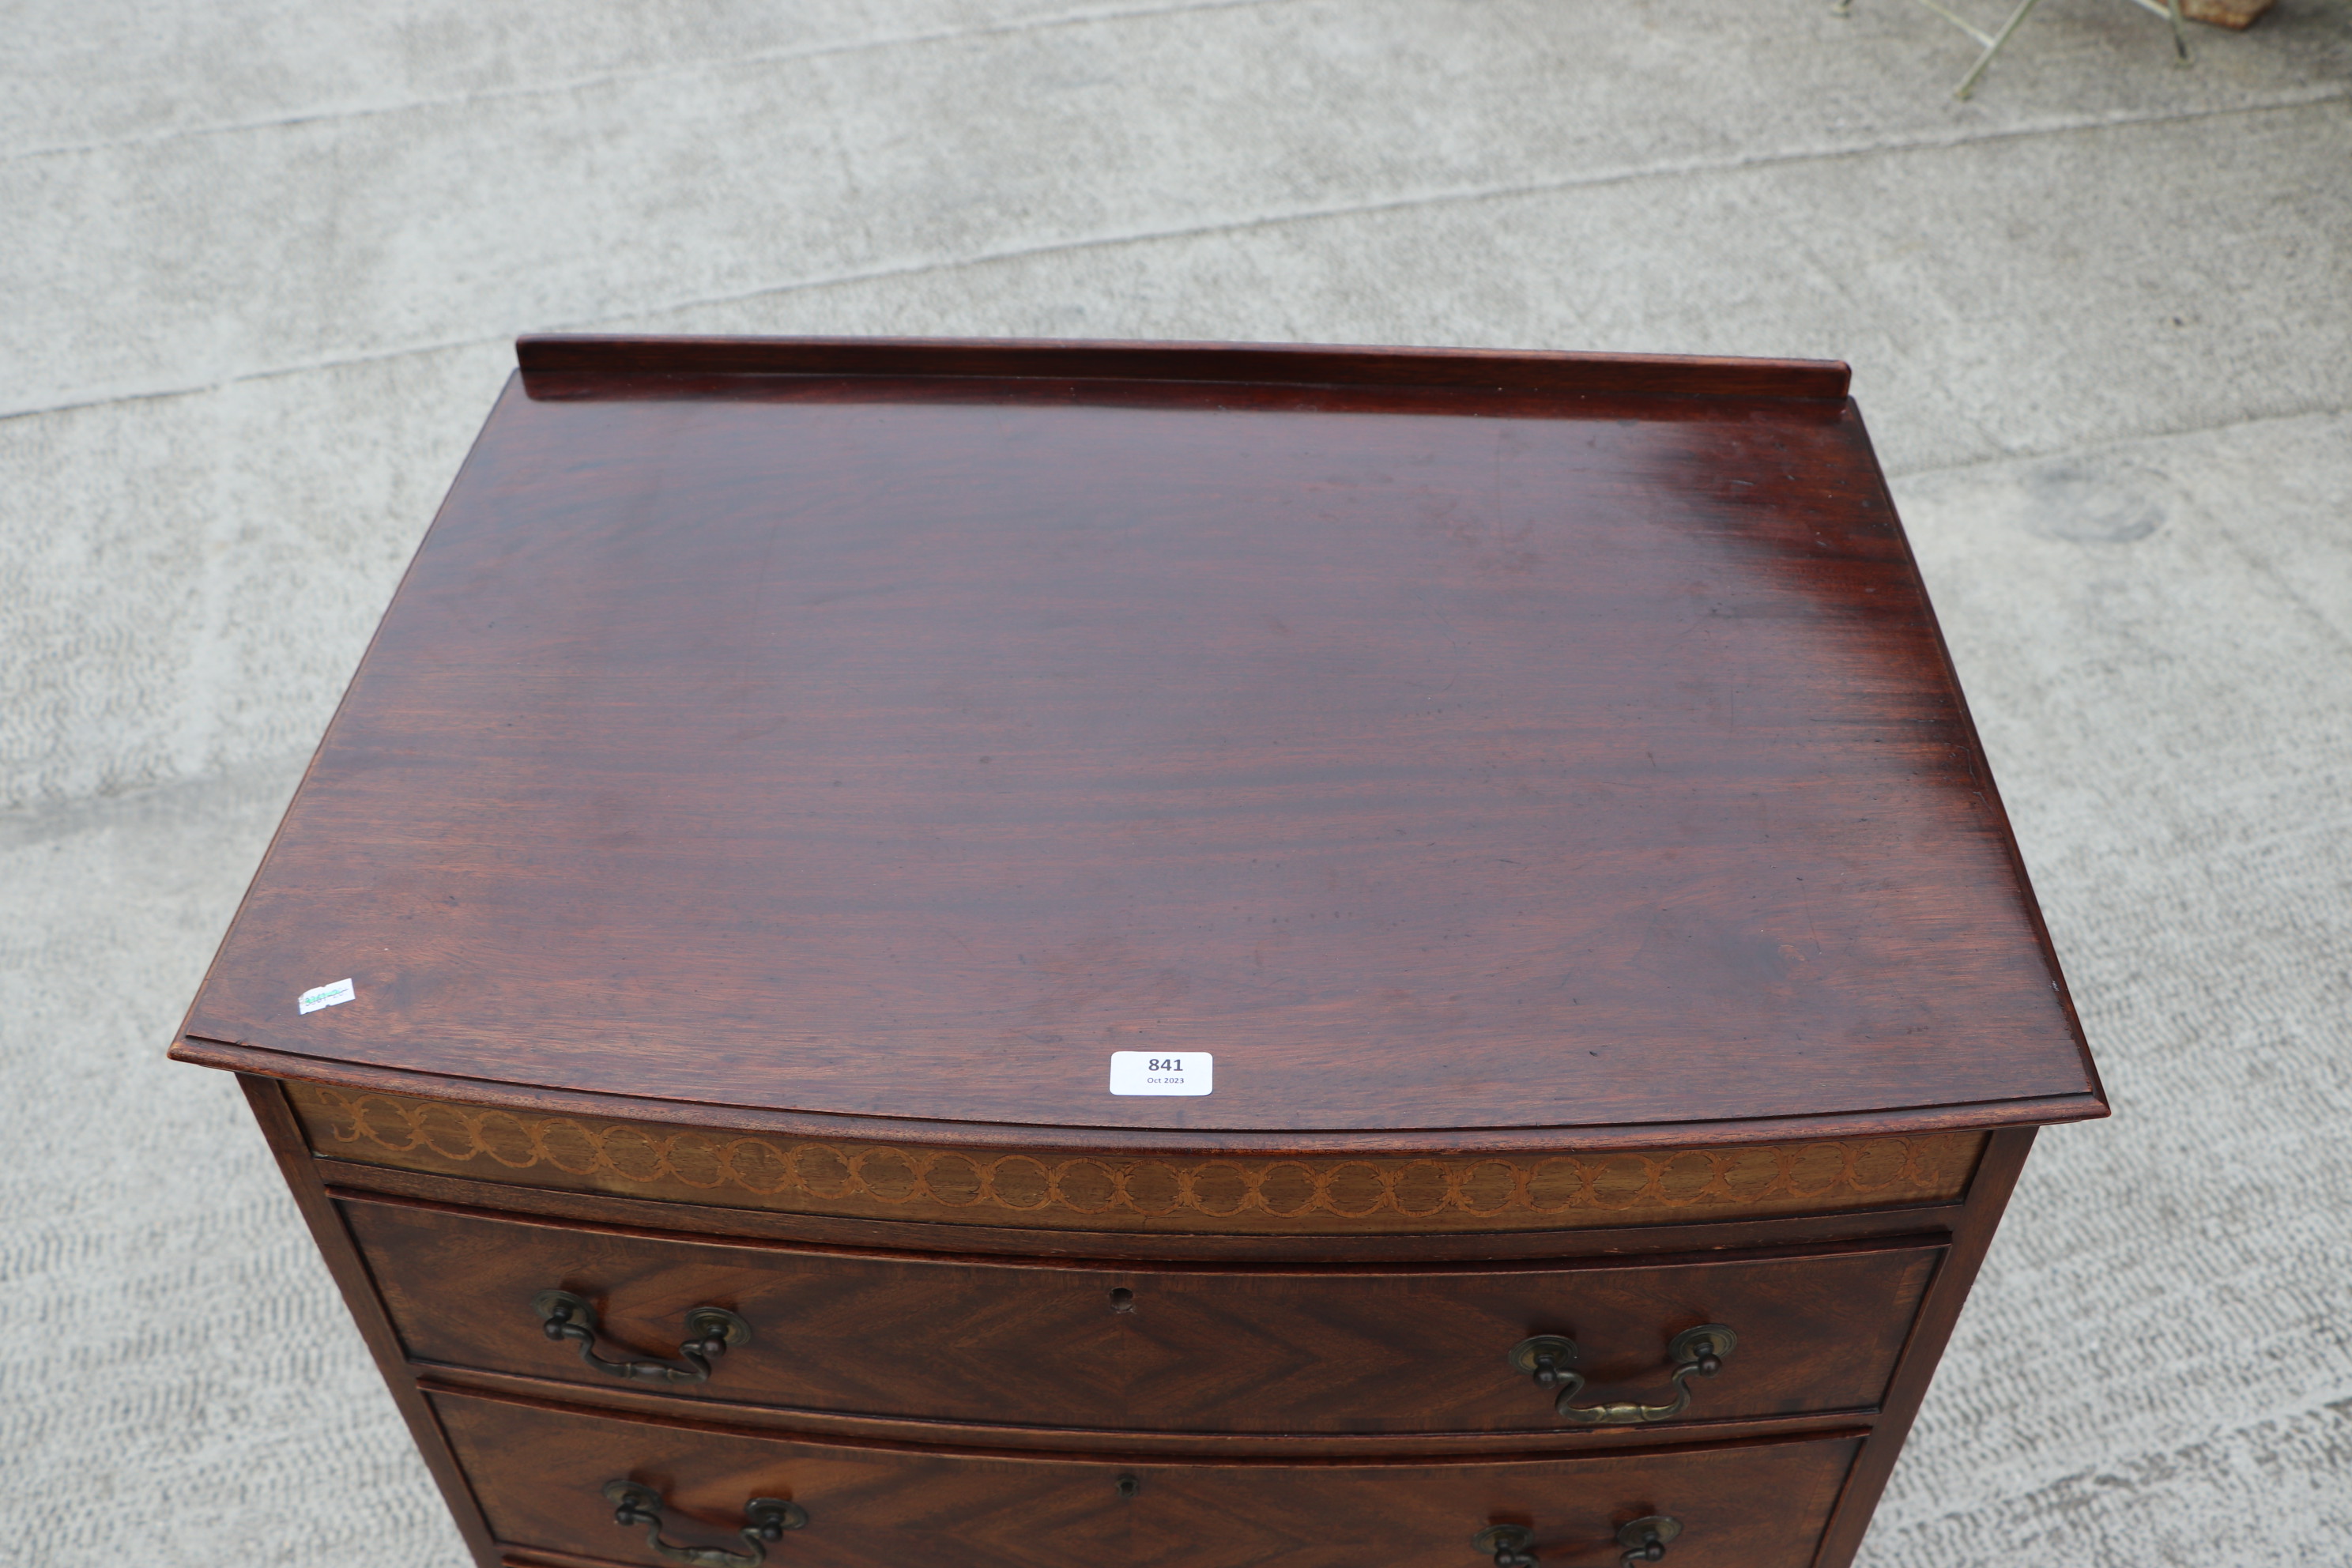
[{"x": 263, "y": 261}]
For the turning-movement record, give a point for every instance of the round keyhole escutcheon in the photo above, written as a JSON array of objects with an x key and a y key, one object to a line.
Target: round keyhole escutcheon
[
  {"x": 1126, "y": 1485},
  {"x": 1122, "y": 1300}
]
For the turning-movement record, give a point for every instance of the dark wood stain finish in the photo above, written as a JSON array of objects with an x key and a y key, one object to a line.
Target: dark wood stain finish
[
  {"x": 1563, "y": 1442},
  {"x": 906, "y": 757},
  {"x": 1360, "y": 1194},
  {"x": 1995, "y": 1181},
  {"x": 1743, "y": 1506},
  {"x": 791, "y": 767},
  {"x": 982, "y": 1241},
  {"x": 347, "y": 1077},
  {"x": 597, "y": 362},
  {"x": 349, "y": 1271},
  {"x": 1245, "y": 1349}
]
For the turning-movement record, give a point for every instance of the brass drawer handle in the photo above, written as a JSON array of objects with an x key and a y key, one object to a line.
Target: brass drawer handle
[
  {"x": 1695, "y": 1353},
  {"x": 765, "y": 1520},
  {"x": 710, "y": 1330},
  {"x": 1644, "y": 1540}
]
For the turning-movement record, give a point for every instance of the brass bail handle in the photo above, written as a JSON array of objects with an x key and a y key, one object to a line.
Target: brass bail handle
[
  {"x": 1550, "y": 1359},
  {"x": 765, "y": 1520},
  {"x": 710, "y": 1331},
  {"x": 1644, "y": 1540}
]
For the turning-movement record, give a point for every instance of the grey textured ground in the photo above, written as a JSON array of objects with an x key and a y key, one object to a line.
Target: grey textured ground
[{"x": 261, "y": 261}]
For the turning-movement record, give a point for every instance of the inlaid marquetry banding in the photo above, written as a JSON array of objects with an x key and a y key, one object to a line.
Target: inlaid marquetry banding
[{"x": 1054, "y": 1190}]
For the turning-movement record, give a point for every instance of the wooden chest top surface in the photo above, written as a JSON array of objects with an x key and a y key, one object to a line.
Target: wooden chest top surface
[{"x": 1525, "y": 752}]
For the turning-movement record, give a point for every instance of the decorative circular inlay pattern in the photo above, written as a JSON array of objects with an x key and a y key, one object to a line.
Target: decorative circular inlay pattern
[{"x": 1085, "y": 1192}]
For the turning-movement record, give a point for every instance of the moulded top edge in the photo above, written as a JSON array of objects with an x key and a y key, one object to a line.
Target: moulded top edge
[
  {"x": 545, "y": 1099},
  {"x": 1490, "y": 370}
]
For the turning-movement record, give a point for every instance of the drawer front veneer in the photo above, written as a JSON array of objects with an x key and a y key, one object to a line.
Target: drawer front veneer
[
  {"x": 540, "y": 1473},
  {"x": 1261, "y": 1349}
]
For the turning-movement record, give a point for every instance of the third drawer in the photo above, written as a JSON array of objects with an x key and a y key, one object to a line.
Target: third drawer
[{"x": 1114, "y": 1345}]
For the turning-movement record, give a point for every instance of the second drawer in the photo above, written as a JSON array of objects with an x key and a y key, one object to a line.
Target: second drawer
[
  {"x": 1258, "y": 1349},
  {"x": 550, "y": 1480}
]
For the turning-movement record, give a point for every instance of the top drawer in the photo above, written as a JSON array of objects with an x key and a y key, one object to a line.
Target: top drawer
[
  {"x": 1258, "y": 1350},
  {"x": 1322, "y": 1195}
]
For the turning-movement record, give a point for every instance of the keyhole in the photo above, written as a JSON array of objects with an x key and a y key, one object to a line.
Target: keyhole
[
  {"x": 1122, "y": 1300},
  {"x": 1127, "y": 1485}
]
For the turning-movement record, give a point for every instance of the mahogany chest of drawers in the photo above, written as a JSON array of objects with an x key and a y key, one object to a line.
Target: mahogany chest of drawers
[{"x": 1033, "y": 955}]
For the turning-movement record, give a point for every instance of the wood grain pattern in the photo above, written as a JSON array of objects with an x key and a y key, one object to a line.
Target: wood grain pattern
[
  {"x": 538, "y": 1471},
  {"x": 901, "y": 748},
  {"x": 359, "y": 1077},
  {"x": 1469, "y": 370},
  {"x": 1236, "y": 1350},
  {"x": 822, "y": 1426},
  {"x": 1112, "y": 1192},
  {"x": 346, "y": 1178},
  {"x": 2004, "y": 1160},
  {"x": 268, "y": 1102},
  {"x": 790, "y": 768}
]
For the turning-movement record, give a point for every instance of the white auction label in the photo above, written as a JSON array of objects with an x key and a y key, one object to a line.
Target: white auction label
[
  {"x": 332, "y": 995},
  {"x": 1149, "y": 1072}
]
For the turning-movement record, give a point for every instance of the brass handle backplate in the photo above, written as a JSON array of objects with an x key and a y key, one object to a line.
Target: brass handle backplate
[
  {"x": 1644, "y": 1540},
  {"x": 1550, "y": 1360},
  {"x": 1509, "y": 1544},
  {"x": 765, "y": 1520},
  {"x": 710, "y": 1331}
]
